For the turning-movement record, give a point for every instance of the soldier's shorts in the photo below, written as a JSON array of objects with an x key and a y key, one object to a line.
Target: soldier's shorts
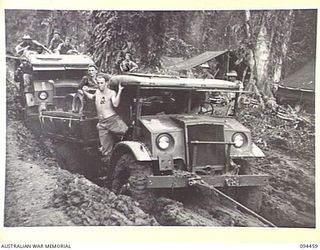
[{"x": 110, "y": 130}]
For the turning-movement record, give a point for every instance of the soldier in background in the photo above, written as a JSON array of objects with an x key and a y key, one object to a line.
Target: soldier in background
[
  {"x": 232, "y": 77},
  {"x": 89, "y": 80},
  {"x": 23, "y": 75},
  {"x": 55, "y": 41},
  {"x": 205, "y": 74},
  {"x": 127, "y": 65},
  {"x": 66, "y": 47},
  {"x": 29, "y": 45}
]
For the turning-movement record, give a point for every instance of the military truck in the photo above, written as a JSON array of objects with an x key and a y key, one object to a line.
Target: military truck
[
  {"x": 174, "y": 135},
  {"x": 45, "y": 80}
]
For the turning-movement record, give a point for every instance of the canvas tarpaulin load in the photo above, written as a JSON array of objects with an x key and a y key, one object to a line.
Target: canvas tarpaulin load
[
  {"x": 168, "y": 61},
  {"x": 197, "y": 60},
  {"x": 299, "y": 87},
  {"x": 303, "y": 79}
]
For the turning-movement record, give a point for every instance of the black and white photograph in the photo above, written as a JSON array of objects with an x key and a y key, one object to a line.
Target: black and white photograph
[{"x": 160, "y": 118}]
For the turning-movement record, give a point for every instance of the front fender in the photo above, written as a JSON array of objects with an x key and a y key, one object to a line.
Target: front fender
[
  {"x": 256, "y": 151},
  {"x": 139, "y": 150}
]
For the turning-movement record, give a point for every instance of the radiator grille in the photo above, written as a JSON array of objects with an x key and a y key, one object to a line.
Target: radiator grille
[{"x": 206, "y": 154}]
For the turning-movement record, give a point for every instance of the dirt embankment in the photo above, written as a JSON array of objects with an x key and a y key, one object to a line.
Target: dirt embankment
[
  {"x": 289, "y": 146},
  {"x": 29, "y": 184},
  {"x": 39, "y": 193}
]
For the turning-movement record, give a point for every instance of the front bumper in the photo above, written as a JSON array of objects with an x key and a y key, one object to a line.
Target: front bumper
[{"x": 216, "y": 181}]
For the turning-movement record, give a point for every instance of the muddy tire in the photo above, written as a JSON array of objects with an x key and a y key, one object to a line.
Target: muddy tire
[
  {"x": 130, "y": 177},
  {"x": 250, "y": 197}
]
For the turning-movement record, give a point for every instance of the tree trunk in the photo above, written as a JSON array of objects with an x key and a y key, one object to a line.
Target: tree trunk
[
  {"x": 251, "y": 59},
  {"x": 263, "y": 49},
  {"x": 195, "y": 36},
  {"x": 262, "y": 53},
  {"x": 284, "y": 47}
]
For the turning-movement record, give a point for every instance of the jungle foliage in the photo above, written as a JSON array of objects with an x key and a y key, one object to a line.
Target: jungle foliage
[{"x": 269, "y": 43}]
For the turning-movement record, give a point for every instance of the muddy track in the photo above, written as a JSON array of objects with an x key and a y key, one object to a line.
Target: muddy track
[
  {"x": 39, "y": 192},
  {"x": 202, "y": 210},
  {"x": 81, "y": 202},
  {"x": 77, "y": 201},
  {"x": 290, "y": 196},
  {"x": 193, "y": 209}
]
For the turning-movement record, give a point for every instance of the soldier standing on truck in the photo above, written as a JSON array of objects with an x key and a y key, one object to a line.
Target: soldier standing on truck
[
  {"x": 28, "y": 45},
  {"x": 110, "y": 126},
  {"x": 23, "y": 75},
  {"x": 55, "y": 41},
  {"x": 66, "y": 48},
  {"x": 89, "y": 80}
]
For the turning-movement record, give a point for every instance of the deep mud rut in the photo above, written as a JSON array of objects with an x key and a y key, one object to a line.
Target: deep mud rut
[
  {"x": 39, "y": 193},
  {"x": 289, "y": 199}
]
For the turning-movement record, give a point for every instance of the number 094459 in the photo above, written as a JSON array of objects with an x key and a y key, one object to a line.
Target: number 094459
[{"x": 306, "y": 246}]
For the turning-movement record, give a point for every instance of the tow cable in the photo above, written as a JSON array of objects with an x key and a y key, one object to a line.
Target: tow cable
[{"x": 196, "y": 181}]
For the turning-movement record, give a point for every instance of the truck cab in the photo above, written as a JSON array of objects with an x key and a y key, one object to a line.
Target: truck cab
[
  {"x": 45, "y": 80},
  {"x": 51, "y": 77}
]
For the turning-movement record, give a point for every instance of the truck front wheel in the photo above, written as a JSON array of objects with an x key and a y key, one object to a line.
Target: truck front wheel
[{"x": 130, "y": 174}]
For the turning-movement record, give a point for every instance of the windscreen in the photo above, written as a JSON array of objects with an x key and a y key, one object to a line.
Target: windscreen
[{"x": 160, "y": 101}]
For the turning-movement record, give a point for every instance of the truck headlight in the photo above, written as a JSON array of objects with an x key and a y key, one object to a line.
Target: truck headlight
[
  {"x": 239, "y": 139},
  {"x": 43, "y": 95},
  {"x": 164, "y": 141}
]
